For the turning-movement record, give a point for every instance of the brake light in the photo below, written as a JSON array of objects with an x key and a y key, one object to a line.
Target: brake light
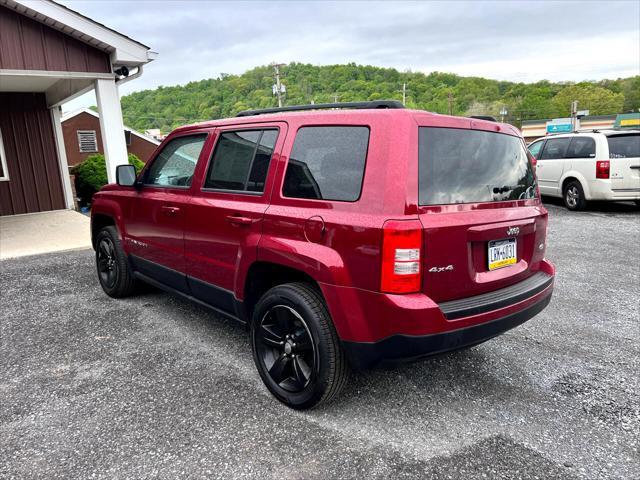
[
  {"x": 603, "y": 168},
  {"x": 401, "y": 256}
]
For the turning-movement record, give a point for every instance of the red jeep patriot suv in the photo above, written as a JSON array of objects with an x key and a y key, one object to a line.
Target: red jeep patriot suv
[{"x": 344, "y": 235}]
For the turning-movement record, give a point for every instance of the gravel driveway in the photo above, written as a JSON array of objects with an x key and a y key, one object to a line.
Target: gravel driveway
[{"x": 153, "y": 386}]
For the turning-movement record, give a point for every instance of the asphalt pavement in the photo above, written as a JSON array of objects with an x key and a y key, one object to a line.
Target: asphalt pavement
[{"x": 153, "y": 386}]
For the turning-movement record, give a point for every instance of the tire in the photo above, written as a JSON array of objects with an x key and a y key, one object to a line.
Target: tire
[
  {"x": 573, "y": 196},
  {"x": 114, "y": 273},
  {"x": 295, "y": 347}
]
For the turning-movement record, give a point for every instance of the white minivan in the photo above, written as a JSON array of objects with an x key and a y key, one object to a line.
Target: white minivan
[{"x": 583, "y": 166}]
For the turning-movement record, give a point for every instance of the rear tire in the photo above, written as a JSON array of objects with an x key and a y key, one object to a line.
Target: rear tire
[
  {"x": 573, "y": 196},
  {"x": 114, "y": 273},
  {"x": 296, "y": 348}
]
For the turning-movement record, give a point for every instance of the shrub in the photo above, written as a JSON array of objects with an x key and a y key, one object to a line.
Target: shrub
[{"x": 91, "y": 175}]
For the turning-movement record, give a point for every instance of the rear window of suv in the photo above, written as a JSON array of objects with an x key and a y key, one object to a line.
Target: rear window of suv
[
  {"x": 327, "y": 163},
  {"x": 624, "y": 146},
  {"x": 472, "y": 166}
]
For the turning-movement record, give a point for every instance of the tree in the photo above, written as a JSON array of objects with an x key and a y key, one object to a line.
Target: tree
[
  {"x": 170, "y": 106},
  {"x": 598, "y": 100}
]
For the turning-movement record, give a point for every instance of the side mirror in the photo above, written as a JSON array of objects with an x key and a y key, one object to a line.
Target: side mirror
[{"x": 126, "y": 175}]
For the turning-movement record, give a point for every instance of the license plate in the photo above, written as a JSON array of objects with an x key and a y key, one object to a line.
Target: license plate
[{"x": 502, "y": 253}]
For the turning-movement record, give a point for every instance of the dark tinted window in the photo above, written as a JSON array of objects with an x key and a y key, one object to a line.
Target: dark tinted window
[
  {"x": 469, "y": 166},
  {"x": 175, "y": 164},
  {"x": 624, "y": 146},
  {"x": 581, "y": 147},
  {"x": 241, "y": 160},
  {"x": 327, "y": 163},
  {"x": 555, "y": 148},
  {"x": 2, "y": 160}
]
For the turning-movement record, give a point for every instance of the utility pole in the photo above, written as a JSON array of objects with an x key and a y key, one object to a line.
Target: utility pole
[
  {"x": 278, "y": 88},
  {"x": 450, "y": 98},
  {"x": 503, "y": 113},
  {"x": 574, "y": 115},
  {"x": 335, "y": 98},
  {"x": 404, "y": 94}
]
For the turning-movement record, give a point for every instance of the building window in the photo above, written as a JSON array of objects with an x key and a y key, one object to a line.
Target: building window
[
  {"x": 87, "y": 141},
  {"x": 4, "y": 174},
  {"x": 127, "y": 137}
]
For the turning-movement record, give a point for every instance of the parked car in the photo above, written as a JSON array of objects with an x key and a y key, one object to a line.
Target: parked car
[
  {"x": 583, "y": 166},
  {"x": 344, "y": 238}
]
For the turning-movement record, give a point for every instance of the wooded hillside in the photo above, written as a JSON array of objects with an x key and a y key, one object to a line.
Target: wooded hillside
[{"x": 169, "y": 107}]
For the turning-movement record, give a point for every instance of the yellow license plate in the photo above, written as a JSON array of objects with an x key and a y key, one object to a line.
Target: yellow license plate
[{"x": 502, "y": 253}]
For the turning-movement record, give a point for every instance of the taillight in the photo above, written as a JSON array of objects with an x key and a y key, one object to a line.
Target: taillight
[
  {"x": 602, "y": 168},
  {"x": 401, "y": 256}
]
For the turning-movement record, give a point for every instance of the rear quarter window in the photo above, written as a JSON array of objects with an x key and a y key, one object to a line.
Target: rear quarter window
[
  {"x": 581, "y": 147},
  {"x": 327, "y": 163}
]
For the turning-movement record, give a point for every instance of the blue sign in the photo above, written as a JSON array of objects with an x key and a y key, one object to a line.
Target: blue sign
[{"x": 558, "y": 127}]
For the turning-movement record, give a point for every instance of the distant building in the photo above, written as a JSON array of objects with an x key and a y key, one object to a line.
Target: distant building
[
  {"x": 82, "y": 137},
  {"x": 50, "y": 54},
  {"x": 534, "y": 129},
  {"x": 155, "y": 133}
]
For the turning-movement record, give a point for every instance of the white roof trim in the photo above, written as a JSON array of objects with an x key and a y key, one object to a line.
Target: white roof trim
[
  {"x": 75, "y": 113},
  {"x": 123, "y": 50}
]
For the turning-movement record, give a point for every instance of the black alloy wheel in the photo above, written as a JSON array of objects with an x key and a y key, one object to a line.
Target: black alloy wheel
[
  {"x": 112, "y": 265},
  {"x": 285, "y": 346},
  {"x": 296, "y": 348},
  {"x": 107, "y": 264}
]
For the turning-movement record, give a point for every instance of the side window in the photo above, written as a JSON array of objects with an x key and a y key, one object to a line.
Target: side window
[
  {"x": 555, "y": 148},
  {"x": 4, "y": 175},
  {"x": 175, "y": 164},
  {"x": 581, "y": 147},
  {"x": 241, "y": 160},
  {"x": 534, "y": 148},
  {"x": 327, "y": 163}
]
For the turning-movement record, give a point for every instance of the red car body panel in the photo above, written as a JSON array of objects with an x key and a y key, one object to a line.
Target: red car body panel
[{"x": 215, "y": 237}]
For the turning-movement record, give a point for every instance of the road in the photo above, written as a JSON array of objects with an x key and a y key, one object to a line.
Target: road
[{"x": 153, "y": 386}]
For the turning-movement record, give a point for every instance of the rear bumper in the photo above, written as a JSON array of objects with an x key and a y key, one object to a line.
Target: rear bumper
[
  {"x": 376, "y": 327},
  {"x": 399, "y": 348},
  {"x": 609, "y": 190}
]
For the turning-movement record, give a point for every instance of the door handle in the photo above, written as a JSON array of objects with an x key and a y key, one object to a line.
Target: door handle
[
  {"x": 170, "y": 211},
  {"x": 236, "y": 220}
]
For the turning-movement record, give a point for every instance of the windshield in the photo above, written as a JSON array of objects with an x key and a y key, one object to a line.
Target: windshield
[{"x": 470, "y": 166}]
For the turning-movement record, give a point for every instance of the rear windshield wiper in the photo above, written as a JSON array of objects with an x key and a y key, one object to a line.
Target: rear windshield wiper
[{"x": 506, "y": 188}]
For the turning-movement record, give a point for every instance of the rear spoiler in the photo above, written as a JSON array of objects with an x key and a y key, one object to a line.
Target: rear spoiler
[{"x": 484, "y": 117}]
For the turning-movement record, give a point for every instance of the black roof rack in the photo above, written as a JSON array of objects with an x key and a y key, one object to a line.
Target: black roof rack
[
  {"x": 324, "y": 106},
  {"x": 484, "y": 117}
]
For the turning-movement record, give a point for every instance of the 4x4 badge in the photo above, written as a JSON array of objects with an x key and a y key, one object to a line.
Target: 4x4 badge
[
  {"x": 448, "y": 268},
  {"x": 513, "y": 231}
]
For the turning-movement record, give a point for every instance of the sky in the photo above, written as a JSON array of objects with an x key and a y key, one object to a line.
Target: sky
[{"x": 521, "y": 41}]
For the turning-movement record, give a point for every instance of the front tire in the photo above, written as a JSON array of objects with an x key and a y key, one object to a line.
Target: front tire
[
  {"x": 573, "y": 196},
  {"x": 114, "y": 273},
  {"x": 296, "y": 348}
]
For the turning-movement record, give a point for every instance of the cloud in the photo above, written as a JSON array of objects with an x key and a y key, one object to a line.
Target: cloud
[{"x": 518, "y": 41}]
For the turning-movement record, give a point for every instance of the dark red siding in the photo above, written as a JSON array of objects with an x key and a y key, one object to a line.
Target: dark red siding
[
  {"x": 140, "y": 147},
  {"x": 32, "y": 162},
  {"x": 29, "y": 45}
]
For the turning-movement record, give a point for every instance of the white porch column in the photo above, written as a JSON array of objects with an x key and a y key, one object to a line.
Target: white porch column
[
  {"x": 62, "y": 158},
  {"x": 111, "y": 126}
]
